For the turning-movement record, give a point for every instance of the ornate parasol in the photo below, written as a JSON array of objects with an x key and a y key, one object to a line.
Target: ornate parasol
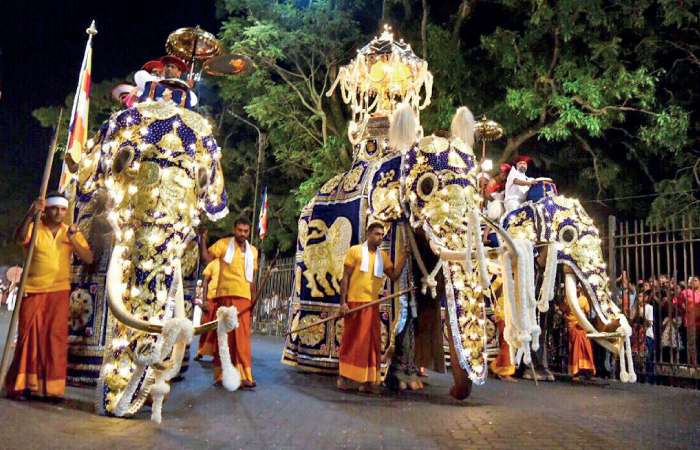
[
  {"x": 228, "y": 65},
  {"x": 485, "y": 131},
  {"x": 384, "y": 73},
  {"x": 192, "y": 44}
]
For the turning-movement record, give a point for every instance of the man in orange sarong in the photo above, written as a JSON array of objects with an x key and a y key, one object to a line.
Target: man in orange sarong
[
  {"x": 41, "y": 356},
  {"x": 502, "y": 366},
  {"x": 238, "y": 263},
  {"x": 208, "y": 340},
  {"x": 363, "y": 277},
  {"x": 580, "y": 351}
]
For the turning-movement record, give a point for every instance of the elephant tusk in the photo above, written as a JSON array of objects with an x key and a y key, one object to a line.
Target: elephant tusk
[
  {"x": 572, "y": 300},
  {"x": 507, "y": 239},
  {"x": 115, "y": 293}
]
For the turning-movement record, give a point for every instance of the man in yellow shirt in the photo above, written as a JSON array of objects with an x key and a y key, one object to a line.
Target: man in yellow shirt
[
  {"x": 208, "y": 340},
  {"x": 41, "y": 357},
  {"x": 238, "y": 263},
  {"x": 363, "y": 278}
]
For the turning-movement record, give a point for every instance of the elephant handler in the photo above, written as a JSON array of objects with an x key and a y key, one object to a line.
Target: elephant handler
[
  {"x": 580, "y": 350},
  {"x": 238, "y": 263},
  {"x": 208, "y": 341},
  {"x": 41, "y": 357},
  {"x": 363, "y": 277}
]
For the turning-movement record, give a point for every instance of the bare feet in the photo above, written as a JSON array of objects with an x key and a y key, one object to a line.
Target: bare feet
[
  {"x": 371, "y": 388},
  {"x": 343, "y": 384}
]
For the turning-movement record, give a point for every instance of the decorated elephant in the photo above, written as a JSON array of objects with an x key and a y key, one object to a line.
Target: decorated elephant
[
  {"x": 150, "y": 172},
  {"x": 565, "y": 236},
  {"x": 424, "y": 190}
]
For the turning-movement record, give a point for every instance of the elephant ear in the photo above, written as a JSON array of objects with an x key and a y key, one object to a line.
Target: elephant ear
[{"x": 213, "y": 197}]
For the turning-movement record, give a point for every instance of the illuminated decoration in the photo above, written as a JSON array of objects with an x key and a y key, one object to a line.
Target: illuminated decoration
[
  {"x": 384, "y": 73},
  {"x": 564, "y": 227},
  {"x": 151, "y": 171}
]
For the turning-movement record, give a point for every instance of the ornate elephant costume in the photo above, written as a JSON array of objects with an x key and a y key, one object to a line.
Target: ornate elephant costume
[
  {"x": 151, "y": 170},
  {"x": 567, "y": 236},
  {"x": 425, "y": 189},
  {"x": 332, "y": 222}
]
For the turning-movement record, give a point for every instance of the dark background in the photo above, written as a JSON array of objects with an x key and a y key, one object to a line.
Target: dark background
[{"x": 41, "y": 49}]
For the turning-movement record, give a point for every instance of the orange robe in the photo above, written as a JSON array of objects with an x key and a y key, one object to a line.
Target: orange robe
[
  {"x": 580, "y": 351},
  {"x": 234, "y": 290},
  {"x": 207, "y": 341},
  {"x": 360, "y": 348},
  {"x": 40, "y": 360},
  {"x": 502, "y": 365}
]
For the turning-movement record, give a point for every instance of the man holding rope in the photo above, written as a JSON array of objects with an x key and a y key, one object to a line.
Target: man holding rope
[
  {"x": 238, "y": 263},
  {"x": 41, "y": 357},
  {"x": 363, "y": 277}
]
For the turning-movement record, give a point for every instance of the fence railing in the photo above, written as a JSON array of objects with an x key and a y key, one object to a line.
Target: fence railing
[
  {"x": 665, "y": 257},
  {"x": 271, "y": 312}
]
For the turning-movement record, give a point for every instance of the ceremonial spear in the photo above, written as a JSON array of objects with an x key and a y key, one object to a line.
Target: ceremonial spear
[
  {"x": 351, "y": 311},
  {"x": 9, "y": 342}
]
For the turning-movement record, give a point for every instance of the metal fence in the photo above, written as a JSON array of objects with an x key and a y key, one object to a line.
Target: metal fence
[
  {"x": 271, "y": 312},
  {"x": 664, "y": 257}
]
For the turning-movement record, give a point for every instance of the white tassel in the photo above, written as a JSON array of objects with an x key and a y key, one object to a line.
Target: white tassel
[
  {"x": 463, "y": 125},
  {"x": 630, "y": 364},
  {"x": 475, "y": 220},
  {"x": 177, "y": 333},
  {"x": 228, "y": 321},
  {"x": 550, "y": 278},
  {"x": 402, "y": 131}
]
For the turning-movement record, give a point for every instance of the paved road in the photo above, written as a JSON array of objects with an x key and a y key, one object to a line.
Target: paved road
[{"x": 295, "y": 410}]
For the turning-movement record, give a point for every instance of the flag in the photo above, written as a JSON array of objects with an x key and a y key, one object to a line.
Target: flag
[
  {"x": 78, "y": 127},
  {"x": 262, "y": 219}
]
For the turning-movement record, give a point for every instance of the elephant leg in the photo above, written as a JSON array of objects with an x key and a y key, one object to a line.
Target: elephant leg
[
  {"x": 311, "y": 282},
  {"x": 462, "y": 383}
]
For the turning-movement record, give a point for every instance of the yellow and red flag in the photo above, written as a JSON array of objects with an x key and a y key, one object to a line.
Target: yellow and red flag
[
  {"x": 262, "y": 219},
  {"x": 78, "y": 127}
]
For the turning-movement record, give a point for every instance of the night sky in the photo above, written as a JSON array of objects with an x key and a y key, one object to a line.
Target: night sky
[{"x": 41, "y": 48}]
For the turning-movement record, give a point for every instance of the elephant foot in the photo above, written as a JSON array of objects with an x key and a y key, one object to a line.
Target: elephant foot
[
  {"x": 548, "y": 376},
  {"x": 461, "y": 392}
]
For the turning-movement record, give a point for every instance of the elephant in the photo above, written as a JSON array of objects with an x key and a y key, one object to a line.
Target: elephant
[
  {"x": 423, "y": 189},
  {"x": 565, "y": 235},
  {"x": 151, "y": 170}
]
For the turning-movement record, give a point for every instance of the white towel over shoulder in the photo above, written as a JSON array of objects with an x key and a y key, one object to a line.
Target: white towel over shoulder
[
  {"x": 249, "y": 258},
  {"x": 378, "y": 261}
]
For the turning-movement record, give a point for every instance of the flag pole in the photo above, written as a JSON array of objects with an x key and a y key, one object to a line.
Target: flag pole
[
  {"x": 8, "y": 351},
  {"x": 66, "y": 169}
]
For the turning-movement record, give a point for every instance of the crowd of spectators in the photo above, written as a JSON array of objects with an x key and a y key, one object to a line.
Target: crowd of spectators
[{"x": 665, "y": 318}]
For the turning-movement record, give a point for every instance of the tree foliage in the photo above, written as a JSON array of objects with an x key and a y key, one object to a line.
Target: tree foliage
[{"x": 601, "y": 93}]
